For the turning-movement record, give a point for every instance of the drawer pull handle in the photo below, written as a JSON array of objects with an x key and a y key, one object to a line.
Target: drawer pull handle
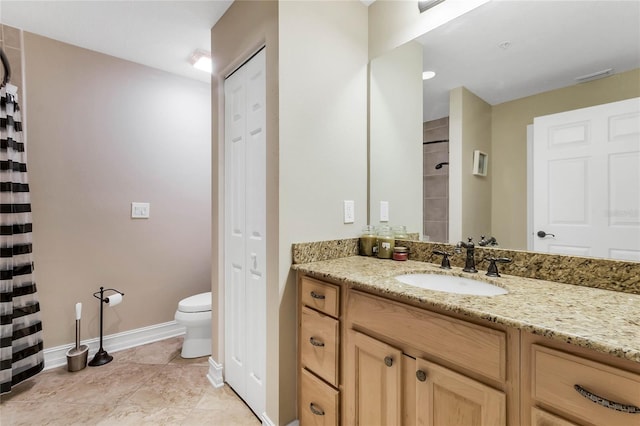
[
  {"x": 315, "y": 342},
  {"x": 317, "y": 296},
  {"x": 317, "y": 411},
  {"x": 421, "y": 375},
  {"x": 388, "y": 361},
  {"x": 632, "y": 409}
]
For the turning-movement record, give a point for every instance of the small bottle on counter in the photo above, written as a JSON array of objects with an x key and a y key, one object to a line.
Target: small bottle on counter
[
  {"x": 368, "y": 240},
  {"x": 386, "y": 242},
  {"x": 400, "y": 253}
]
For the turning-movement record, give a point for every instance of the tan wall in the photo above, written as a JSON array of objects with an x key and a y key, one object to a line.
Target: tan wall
[
  {"x": 476, "y": 190},
  {"x": 508, "y": 164},
  {"x": 103, "y": 132},
  {"x": 242, "y": 30},
  {"x": 395, "y": 148},
  {"x": 469, "y": 195}
]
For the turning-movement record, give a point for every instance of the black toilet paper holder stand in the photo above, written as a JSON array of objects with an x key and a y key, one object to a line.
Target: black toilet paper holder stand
[{"x": 102, "y": 357}]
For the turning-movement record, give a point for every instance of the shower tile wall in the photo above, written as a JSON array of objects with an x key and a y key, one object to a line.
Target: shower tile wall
[
  {"x": 11, "y": 43},
  {"x": 436, "y": 181}
]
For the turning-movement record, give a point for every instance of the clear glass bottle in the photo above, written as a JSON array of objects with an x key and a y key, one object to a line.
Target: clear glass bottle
[
  {"x": 400, "y": 232},
  {"x": 386, "y": 242},
  {"x": 368, "y": 240}
]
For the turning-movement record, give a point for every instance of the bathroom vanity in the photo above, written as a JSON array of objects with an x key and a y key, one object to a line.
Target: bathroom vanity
[{"x": 375, "y": 351}]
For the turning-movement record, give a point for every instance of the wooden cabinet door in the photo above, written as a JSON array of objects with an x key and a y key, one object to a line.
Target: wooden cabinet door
[
  {"x": 377, "y": 376},
  {"x": 446, "y": 398}
]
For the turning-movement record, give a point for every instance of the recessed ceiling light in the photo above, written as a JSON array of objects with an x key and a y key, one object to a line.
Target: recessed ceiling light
[
  {"x": 201, "y": 60},
  {"x": 427, "y": 75}
]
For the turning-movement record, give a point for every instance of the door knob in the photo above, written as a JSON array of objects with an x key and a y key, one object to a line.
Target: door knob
[{"x": 543, "y": 234}]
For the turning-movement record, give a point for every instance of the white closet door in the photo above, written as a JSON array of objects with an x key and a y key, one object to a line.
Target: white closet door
[
  {"x": 587, "y": 181},
  {"x": 245, "y": 228}
]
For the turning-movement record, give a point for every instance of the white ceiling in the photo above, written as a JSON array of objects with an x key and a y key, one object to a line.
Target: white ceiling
[
  {"x": 552, "y": 43},
  {"x": 160, "y": 34}
]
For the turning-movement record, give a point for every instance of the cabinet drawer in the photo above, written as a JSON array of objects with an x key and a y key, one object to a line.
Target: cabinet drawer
[
  {"x": 475, "y": 348},
  {"x": 321, "y": 296},
  {"x": 318, "y": 401},
  {"x": 555, "y": 375},
  {"x": 319, "y": 344},
  {"x": 542, "y": 418}
]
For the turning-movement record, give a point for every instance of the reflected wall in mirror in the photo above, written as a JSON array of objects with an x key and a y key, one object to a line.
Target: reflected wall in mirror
[{"x": 497, "y": 68}]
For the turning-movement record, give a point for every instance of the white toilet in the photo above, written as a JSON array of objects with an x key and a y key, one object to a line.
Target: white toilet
[{"x": 195, "y": 314}]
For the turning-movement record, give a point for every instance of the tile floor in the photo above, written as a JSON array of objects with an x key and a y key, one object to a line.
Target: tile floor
[{"x": 147, "y": 385}]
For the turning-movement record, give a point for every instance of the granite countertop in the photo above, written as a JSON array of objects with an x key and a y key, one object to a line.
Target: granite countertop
[{"x": 602, "y": 320}]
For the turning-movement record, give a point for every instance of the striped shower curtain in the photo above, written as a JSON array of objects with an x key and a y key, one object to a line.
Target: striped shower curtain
[{"x": 21, "y": 354}]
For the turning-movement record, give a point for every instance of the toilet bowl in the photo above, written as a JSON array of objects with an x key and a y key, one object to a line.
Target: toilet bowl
[{"x": 195, "y": 314}]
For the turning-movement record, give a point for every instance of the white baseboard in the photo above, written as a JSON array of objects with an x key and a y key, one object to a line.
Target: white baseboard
[
  {"x": 266, "y": 421},
  {"x": 215, "y": 373},
  {"x": 57, "y": 356}
]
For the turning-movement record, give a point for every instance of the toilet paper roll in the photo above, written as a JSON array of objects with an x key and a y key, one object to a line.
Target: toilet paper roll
[{"x": 114, "y": 299}]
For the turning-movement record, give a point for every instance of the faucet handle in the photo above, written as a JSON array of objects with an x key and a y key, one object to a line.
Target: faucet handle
[
  {"x": 445, "y": 259},
  {"x": 492, "y": 270}
]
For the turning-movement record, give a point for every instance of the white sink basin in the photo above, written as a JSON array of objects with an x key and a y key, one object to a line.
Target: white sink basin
[{"x": 451, "y": 284}]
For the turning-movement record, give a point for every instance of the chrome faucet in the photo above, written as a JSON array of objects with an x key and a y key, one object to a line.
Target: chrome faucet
[{"x": 470, "y": 261}]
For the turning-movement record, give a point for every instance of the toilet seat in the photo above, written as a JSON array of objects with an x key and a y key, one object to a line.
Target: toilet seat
[{"x": 198, "y": 303}]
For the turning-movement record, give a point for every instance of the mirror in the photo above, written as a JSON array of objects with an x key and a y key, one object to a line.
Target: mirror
[{"x": 505, "y": 63}]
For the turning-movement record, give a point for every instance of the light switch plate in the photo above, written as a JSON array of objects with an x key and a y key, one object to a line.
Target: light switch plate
[
  {"x": 140, "y": 210},
  {"x": 384, "y": 211},
  {"x": 349, "y": 211}
]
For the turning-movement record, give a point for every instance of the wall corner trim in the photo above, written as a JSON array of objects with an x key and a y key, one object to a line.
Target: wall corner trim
[
  {"x": 215, "y": 374},
  {"x": 57, "y": 356}
]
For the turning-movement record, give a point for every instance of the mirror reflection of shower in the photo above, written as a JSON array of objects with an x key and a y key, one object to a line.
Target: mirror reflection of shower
[{"x": 435, "y": 148}]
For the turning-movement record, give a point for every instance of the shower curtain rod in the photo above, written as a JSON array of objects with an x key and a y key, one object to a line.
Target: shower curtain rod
[{"x": 7, "y": 68}]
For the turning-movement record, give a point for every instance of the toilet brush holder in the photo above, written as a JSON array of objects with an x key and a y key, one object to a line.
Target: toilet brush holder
[{"x": 77, "y": 358}]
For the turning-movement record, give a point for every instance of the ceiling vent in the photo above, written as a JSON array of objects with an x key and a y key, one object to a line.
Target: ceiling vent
[
  {"x": 424, "y": 5},
  {"x": 595, "y": 75}
]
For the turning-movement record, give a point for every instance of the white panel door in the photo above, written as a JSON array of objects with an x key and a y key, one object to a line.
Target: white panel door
[
  {"x": 245, "y": 229},
  {"x": 586, "y": 181}
]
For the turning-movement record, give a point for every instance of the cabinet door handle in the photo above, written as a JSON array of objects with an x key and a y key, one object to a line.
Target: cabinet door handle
[
  {"x": 388, "y": 361},
  {"x": 421, "y": 375},
  {"x": 317, "y": 296},
  {"x": 632, "y": 409},
  {"x": 316, "y": 410},
  {"x": 315, "y": 342}
]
